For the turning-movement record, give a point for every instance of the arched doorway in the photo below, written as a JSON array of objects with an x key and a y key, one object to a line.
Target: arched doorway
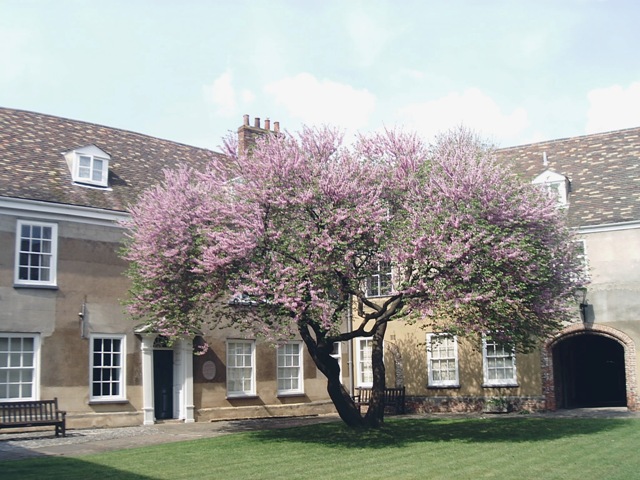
[{"x": 589, "y": 371}]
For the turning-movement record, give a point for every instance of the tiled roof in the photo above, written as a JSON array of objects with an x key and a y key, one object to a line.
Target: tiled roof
[
  {"x": 32, "y": 165},
  {"x": 604, "y": 171}
]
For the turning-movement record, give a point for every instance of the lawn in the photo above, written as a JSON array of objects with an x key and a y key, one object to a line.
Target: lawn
[{"x": 514, "y": 447}]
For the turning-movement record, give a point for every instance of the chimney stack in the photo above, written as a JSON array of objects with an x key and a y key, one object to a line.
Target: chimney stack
[{"x": 247, "y": 134}]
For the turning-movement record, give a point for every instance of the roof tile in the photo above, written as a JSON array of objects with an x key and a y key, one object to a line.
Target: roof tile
[
  {"x": 32, "y": 165},
  {"x": 603, "y": 170}
]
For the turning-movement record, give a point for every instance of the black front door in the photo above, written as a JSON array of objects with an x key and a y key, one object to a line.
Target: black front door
[{"x": 163, "y": 383}]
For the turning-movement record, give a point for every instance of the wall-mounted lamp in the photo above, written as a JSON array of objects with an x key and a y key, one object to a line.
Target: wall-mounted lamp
[
  {"x": 82, "y": 317},
  {"x": 580, "y": 294}
]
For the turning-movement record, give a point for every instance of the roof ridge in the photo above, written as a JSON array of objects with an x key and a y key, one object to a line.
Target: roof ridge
[{"x": 574, "y": 137}]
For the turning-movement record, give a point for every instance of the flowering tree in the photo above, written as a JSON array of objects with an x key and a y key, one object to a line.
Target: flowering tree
[{"x": 282, "y": 240}]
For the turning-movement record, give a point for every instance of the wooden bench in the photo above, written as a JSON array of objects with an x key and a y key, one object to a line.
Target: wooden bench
[
  {"x": 393, "y": 398},
  {"x": 34, "y": 413}
]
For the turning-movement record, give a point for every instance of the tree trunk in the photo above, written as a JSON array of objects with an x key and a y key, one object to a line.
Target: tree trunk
[
  {"x": 375, "y": 413},
  {"x": 321, "y": 355},
  {"x": 343, "y": 402}
]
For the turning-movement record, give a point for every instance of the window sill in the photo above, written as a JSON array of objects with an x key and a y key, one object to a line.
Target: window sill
[
  {"x": 443, "y": 387},
  {"x": 242, "y": 397},
  {"x": 500, "y": 385},
  {"x": 290, "y": 394},
  {"x": 35, "y": 286},
  {"x": 96, "y": 186},
  {"x": 111, "y": 402}
]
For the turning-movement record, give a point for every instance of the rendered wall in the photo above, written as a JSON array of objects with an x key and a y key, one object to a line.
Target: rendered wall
[{"x": 90, "y": 272}]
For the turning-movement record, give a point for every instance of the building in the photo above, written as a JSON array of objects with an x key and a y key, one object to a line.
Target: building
[
  {"x": 64, "y": 186},
  {"x": 592, "y": 361}
]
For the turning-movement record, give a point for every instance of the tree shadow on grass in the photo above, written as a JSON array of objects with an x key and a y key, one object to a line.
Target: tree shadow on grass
[
  {"x": 401, "y": 432},
  {"x": 62, "y": 467}
]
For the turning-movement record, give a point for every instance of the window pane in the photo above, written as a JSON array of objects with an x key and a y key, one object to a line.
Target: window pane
[
  {"x": 14, "y": 391},
  {"x": 15, "y": 359},
  {"x": 289, "y": 368},
  {"x": 443, "y": 360},
  {"x": 98, "y": 166},
  {"x": 499, "y": 363},
  {"x": 36, "y": 253},
  {"x": 107, "y": 372},
  {"x": 17, "y": 367},
  {"x": 240, "y": 368},
  {"x": 365, "y": 366},
  {"x": 27, "y": 344}
]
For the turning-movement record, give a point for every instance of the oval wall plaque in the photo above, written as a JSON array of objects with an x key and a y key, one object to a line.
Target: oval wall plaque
[{"x": 209, "y": 370}]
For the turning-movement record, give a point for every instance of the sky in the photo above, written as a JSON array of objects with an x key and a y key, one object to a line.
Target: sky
[{"x": 514, "y": 71}]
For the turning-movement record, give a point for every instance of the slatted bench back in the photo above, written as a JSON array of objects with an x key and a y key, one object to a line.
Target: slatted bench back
[
  {"x": 393, "y": 397},
  {"x": 29, "y": 412}
]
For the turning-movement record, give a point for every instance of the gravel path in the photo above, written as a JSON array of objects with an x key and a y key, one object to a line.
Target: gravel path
[{"x": 14, "y": 446}]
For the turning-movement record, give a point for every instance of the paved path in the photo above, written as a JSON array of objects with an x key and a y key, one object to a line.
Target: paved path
[
  {"x": 29, "y": 444},
  {"x": 14, "y": 446}
]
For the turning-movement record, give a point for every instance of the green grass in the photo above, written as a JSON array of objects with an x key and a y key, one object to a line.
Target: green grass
[{"x": 513, "y": 447}]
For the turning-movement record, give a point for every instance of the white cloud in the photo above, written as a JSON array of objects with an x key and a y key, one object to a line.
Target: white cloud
[
  {"x": 316, "y": 101},
  {"x": 613, "y": 108},
  {"x": 471, "y": 108},
  {"x": 222, "y": 93}
]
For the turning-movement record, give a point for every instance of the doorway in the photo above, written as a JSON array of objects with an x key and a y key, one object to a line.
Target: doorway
[
  {"x": 589, "y": 371},
  {"x": 163, "y": 384}
]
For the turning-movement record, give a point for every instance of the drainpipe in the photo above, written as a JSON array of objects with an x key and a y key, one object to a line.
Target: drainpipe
[{"x": 350, "y": 349}]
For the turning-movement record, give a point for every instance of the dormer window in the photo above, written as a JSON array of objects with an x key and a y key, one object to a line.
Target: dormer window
[
  {"x": 92, "y": 169},
  {"x": 557, "y": 185},
  {"x": 89, "y": 166}
]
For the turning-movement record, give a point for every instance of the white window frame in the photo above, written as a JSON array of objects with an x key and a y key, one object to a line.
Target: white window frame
[
  {"x": 13, "y": 367},
  {"x": 336, "y": 353},
  {"x": 233, "y": 367},
  {"x": 290, "y": 368},
  {"x": 438, "y": 348},
  {"x": 108, "y": 366},
  {"x": 581, "y": 256},
  {"x": 500, "y": 354},
  {"x": 380, "y": 283},
  {"x": 83, "y": 175},
  {"x": 52, "y": 255},
  {"x": 92, "y": 170},
  {"x": 364, "y": 366},
  {"x": 557, "y": 185}
]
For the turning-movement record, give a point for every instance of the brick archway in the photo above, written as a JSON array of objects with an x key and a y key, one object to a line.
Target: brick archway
[{"x": 548, "y": 380}]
